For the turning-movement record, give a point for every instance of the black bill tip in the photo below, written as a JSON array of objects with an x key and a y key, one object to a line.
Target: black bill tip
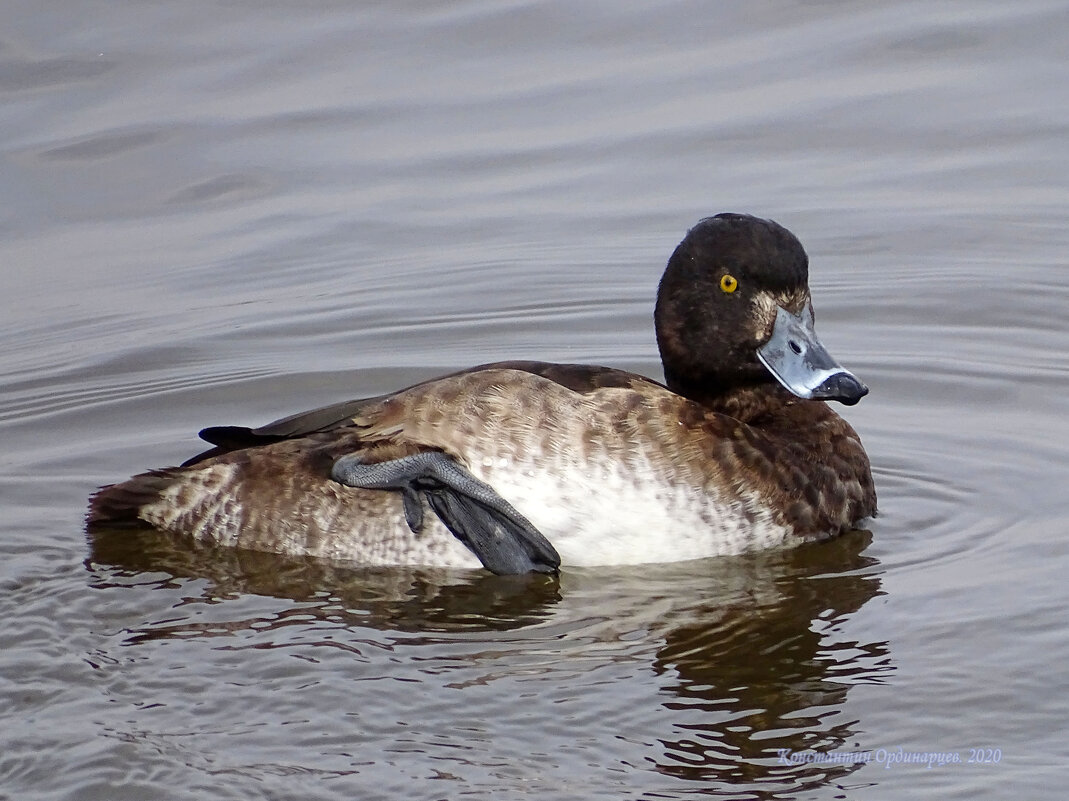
[{"x": 843, "y": 387}]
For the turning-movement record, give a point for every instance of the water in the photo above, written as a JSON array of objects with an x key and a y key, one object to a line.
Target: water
[{"x": 227, "y": 213}]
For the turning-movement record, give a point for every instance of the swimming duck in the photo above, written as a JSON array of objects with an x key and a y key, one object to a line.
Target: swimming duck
[{"x": 524, "y": 466}]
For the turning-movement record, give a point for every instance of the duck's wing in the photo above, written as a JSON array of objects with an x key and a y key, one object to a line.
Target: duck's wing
[
  {"x": 582, "y": 378},
  {"x": 235, "y": 438}
]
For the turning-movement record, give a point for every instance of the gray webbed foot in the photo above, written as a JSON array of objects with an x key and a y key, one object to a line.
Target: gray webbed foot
[{"x": 502, "y": 538}]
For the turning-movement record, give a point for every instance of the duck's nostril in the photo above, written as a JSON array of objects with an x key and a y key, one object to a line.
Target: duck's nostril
[{"x": 795, "y": 346}]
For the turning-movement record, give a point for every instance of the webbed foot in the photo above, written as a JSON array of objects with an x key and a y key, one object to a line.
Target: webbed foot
[{"x": 502, "y": 538}]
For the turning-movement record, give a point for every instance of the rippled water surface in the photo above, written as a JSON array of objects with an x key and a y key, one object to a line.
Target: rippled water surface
[{"x": 224, "y": 213}]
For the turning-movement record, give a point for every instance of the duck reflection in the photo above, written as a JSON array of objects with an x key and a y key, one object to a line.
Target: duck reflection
[
  {"x": 749, "y": 658},
  {"x": 756, "y": 686},
  {"x": 388, "y": 598}
]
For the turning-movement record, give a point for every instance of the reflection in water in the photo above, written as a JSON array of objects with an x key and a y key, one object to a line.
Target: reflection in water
[
  {"x": 747, "y": 655},
  {"x": 403, "y": 599},
  {"x": 767, "y": 675}
]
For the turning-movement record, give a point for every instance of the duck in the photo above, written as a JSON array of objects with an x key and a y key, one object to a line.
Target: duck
[{"x": 528, "y": 466}]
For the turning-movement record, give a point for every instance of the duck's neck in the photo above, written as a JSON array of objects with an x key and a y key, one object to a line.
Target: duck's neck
[{"x": 748, "y": 403}]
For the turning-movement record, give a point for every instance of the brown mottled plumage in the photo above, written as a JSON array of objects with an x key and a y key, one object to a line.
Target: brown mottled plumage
[{"x": 610, "y": 466}]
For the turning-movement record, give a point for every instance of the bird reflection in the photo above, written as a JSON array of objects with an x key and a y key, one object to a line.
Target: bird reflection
[
  {"x": 748, "y": 658},
  {"x": 398, "y": 598},
  {"x": 765, "y": 676}
]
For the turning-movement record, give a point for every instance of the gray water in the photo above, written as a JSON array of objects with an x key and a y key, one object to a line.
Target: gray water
[{"x": 224, "y": 213}]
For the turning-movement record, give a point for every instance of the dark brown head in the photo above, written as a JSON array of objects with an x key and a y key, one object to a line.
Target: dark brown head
[{"x": 733, "y": 311}]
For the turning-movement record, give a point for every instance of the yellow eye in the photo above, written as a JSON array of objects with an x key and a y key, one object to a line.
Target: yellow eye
[{"x": 729, "y": 283}]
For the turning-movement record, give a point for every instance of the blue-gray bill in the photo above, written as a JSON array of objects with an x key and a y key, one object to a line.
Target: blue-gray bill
[{"x": 801, "y": 363}]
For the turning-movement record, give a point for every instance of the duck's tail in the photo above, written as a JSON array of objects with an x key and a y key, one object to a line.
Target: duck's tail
[{"x": 121, "y": 504}]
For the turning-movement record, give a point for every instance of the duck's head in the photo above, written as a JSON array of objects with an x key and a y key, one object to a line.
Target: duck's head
[{"x": 734, "y": 312}]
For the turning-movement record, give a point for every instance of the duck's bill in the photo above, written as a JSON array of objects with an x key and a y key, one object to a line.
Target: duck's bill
[{"x": 803, "y": 365}]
